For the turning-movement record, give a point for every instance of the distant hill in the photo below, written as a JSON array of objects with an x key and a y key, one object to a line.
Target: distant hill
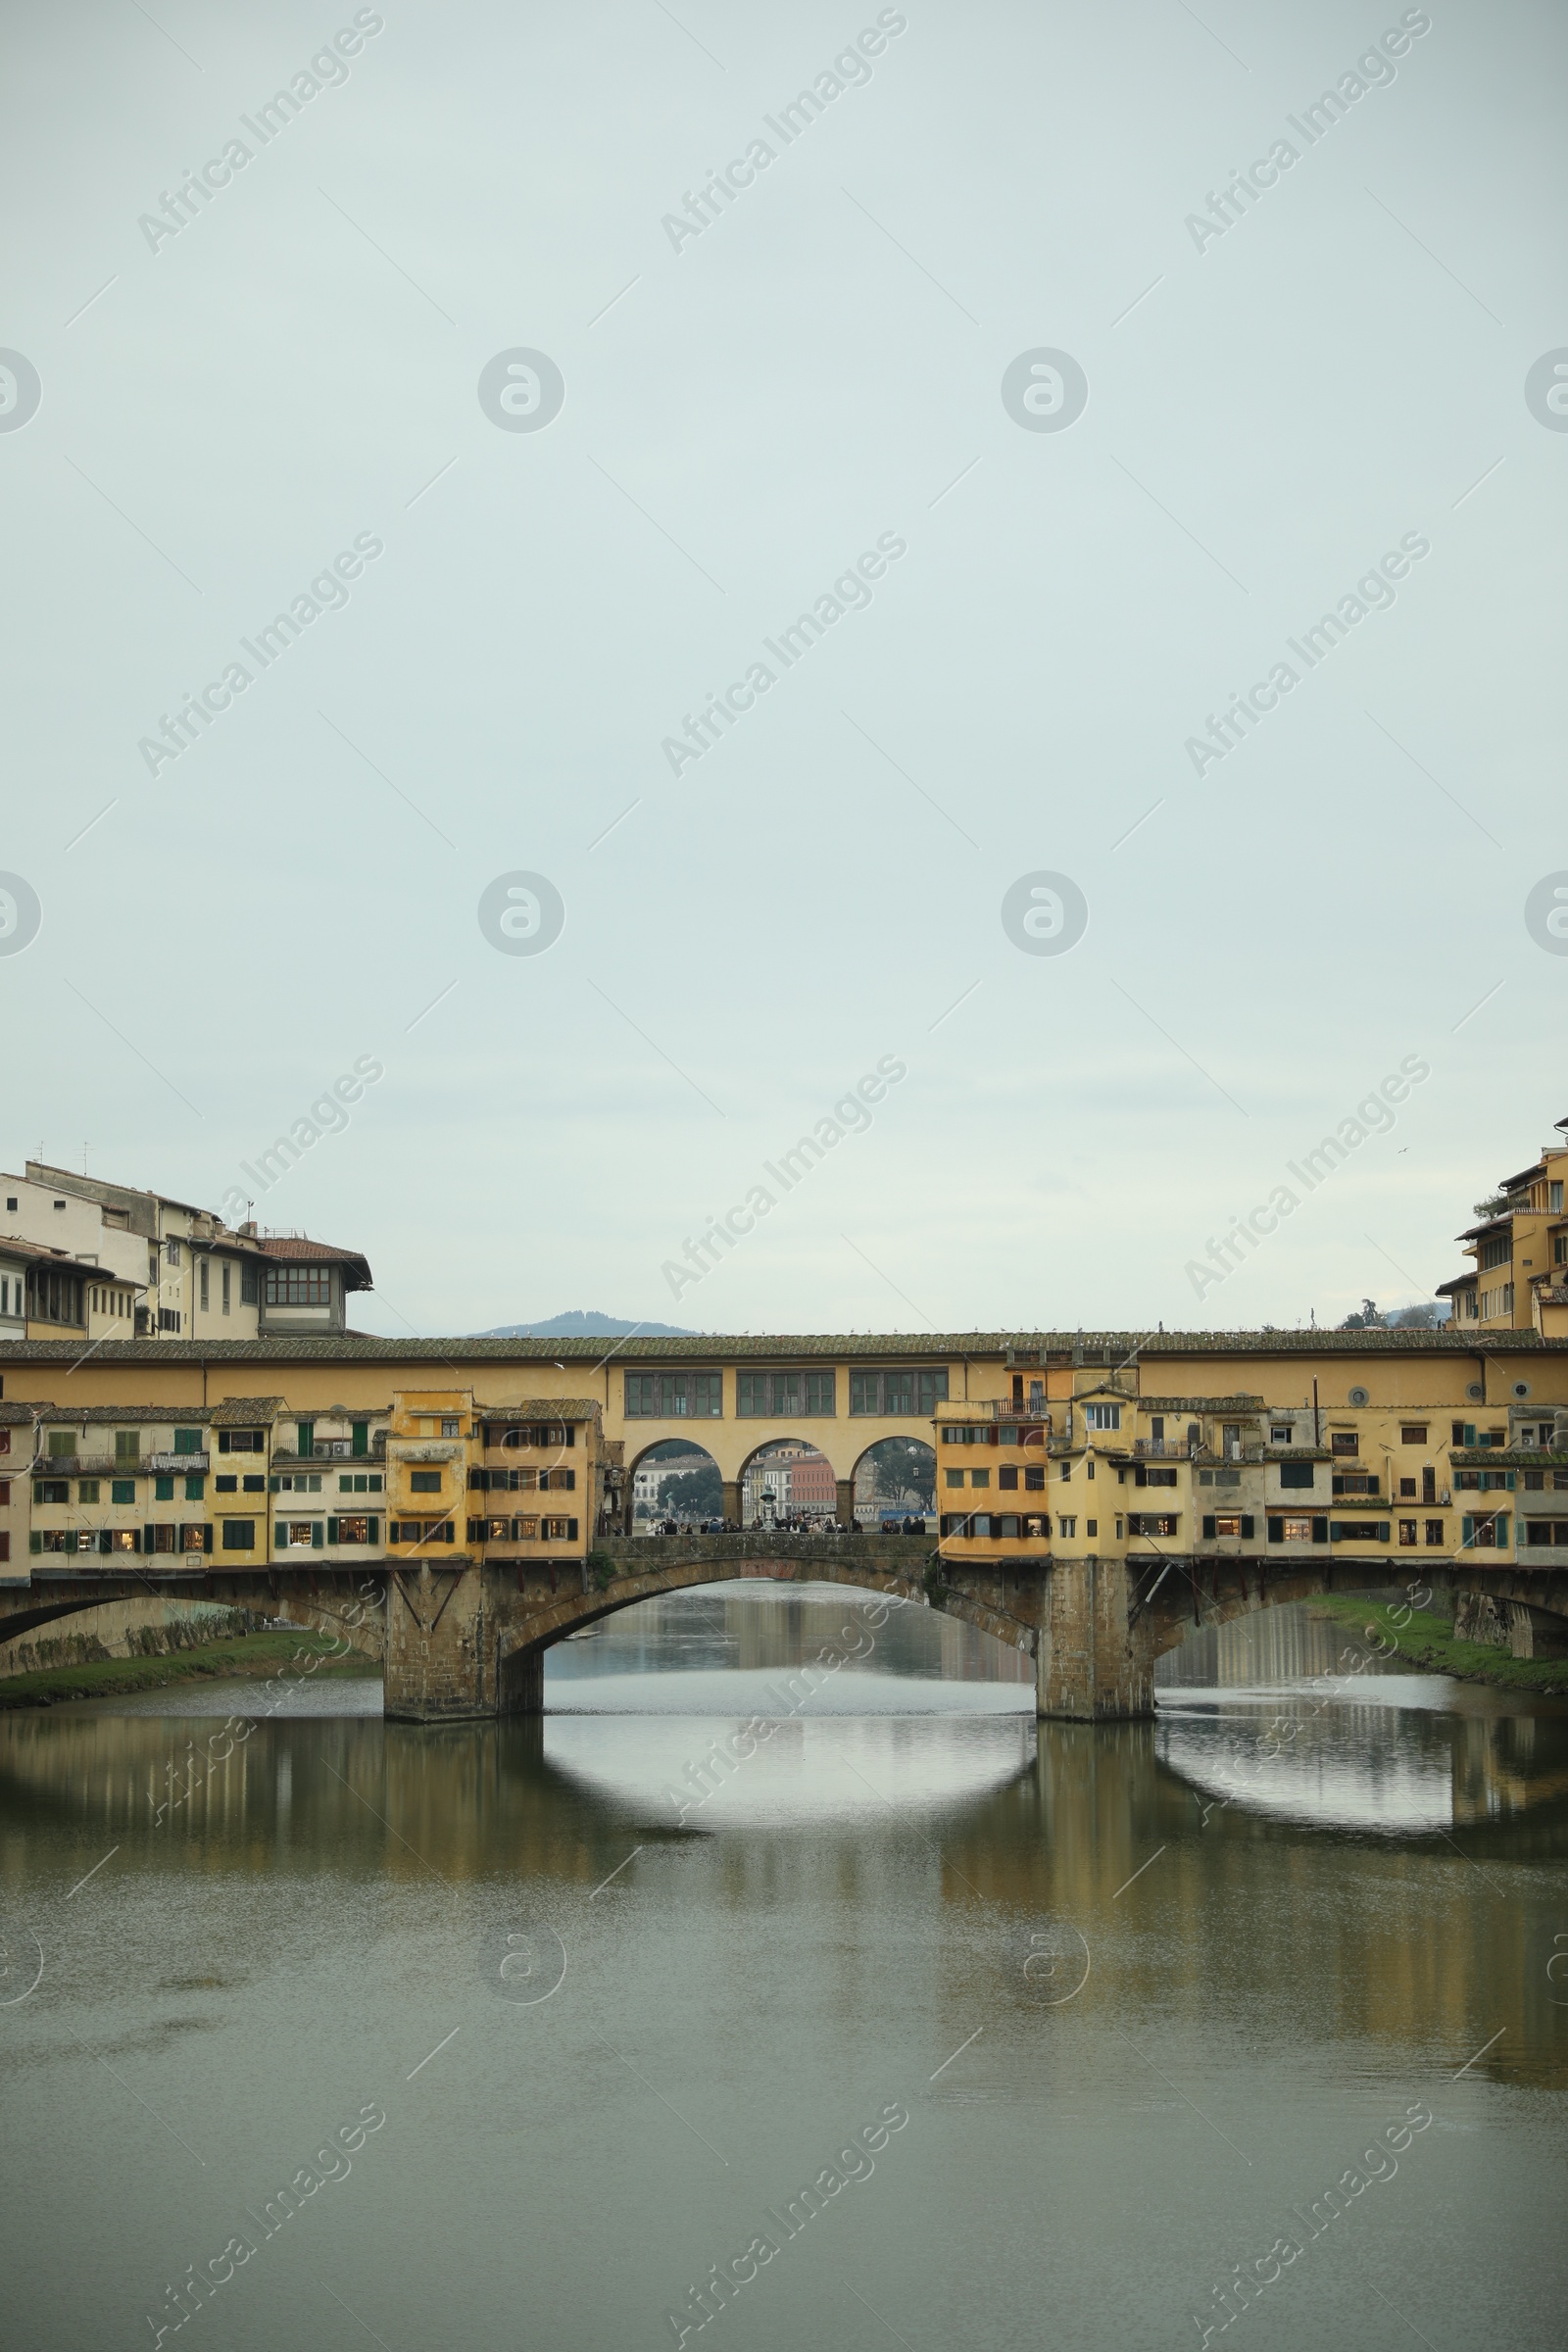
[{"x": 585, "y": 1325}]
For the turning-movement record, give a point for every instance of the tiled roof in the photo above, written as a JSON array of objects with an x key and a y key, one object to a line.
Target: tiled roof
[
  {"x": 290, "y": 1246},
  {"x": 857, "y": 1348},
  {"x": 355, "y": 1266},
  {"x": 87, "y": 1414},
  {"x": 544, "y": 1408},
  {"x": 245, "y": 1413}
]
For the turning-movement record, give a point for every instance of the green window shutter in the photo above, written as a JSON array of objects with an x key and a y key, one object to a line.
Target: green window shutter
[
  {"x": 318, "y": 1534},
  {"x": 1210, "y": 1529},
  {"x": 137, "y": 1544},
  {"x": 195, "y": 1489},
  {"x": 279, "y": 1535},
  {"x": 375, "y": 1482},
  {"x": 1320, "y": 1531},
  {"x": 163, "y": 1490},
  {"x": 360, "y": 1436},
  {"x": 331, "y": 1531},
  {"x": 1502, "y": 1531},
  {"x": 376, "y": 1531},
  {"x": 206, "y": 1538},
  {"x": 1247, "y": 1525},
  {"x": 1276, "y": 1530},
  {"x": 306, "y": 1436},
  {"x": 1470, "y": 1433},
  {"x": 572, "y": 1531},
  {"x": 36, "y": 1542},
  {"x": 1468, "y": 1531},
  {"x": 103, "y": 1539},
  {"x": 1513, "y": 1477},
  {"x": 345, "y": 1482},
  {"x": 1383, "y": 1531}
]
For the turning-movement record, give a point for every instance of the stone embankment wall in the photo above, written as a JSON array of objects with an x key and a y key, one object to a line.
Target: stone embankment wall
[{"x": 148, "y": 1628}]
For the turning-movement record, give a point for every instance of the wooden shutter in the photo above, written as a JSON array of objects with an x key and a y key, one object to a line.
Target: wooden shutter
[
  {"x": 1247, "y": 1525},
  {"x": 1210, "y": 1528},
  {"x": 331, "y": 1531}
]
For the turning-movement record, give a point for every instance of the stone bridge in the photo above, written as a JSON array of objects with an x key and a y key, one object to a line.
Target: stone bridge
[{"x": 460, "y": 1637}]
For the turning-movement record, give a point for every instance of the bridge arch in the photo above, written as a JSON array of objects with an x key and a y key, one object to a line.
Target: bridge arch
[
  {"x": 891, "y": 1569},
  {"x": 877, "y": 1452},
  {"x": 667, "y": 1448}
]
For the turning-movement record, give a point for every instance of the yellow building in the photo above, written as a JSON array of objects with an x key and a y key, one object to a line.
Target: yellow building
[{"x": 1519, "y": 1248}]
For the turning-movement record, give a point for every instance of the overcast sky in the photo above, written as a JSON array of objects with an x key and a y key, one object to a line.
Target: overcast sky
[{"x": 1275, "y": 404}]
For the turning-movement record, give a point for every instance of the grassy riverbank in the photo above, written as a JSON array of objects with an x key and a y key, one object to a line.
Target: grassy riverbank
[
  {"x": 259, "y": 1654},
  {"x": 1428, "y": 1641}
]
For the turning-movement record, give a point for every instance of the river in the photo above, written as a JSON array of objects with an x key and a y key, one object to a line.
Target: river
[{"x": 504, "y": 2036}]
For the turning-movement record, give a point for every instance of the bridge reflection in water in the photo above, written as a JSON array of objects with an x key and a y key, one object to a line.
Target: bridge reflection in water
[{"x": 845, "y": 1922}]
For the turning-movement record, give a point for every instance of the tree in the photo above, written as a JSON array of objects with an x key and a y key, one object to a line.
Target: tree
[
  {"x": 1367, "y": 1320},
  {"x": 692, "y": 1495},
  {"x": 902, "y": 1470}
]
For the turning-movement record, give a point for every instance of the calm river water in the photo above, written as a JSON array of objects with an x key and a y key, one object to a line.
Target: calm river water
[{"x": 510, "y": 2036}]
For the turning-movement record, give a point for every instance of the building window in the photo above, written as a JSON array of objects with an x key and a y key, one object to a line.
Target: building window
[
  {"x": 1102, "y": 1416},
  {"x": 86, "y": 1489},
  {"x": 351, "y": 1531},
  {"x": 253, "y": 1483},
  {"x": 195, "y": 1489},
  {"x": 1068, "y": 1526},
  {"x": 1227, "y": 1523},
  {"x": 202, "y": 1283},
  {"x": 1434, "y": 1532},
  {"x": 169, "y": 1318},
  {"x": 1345, "y": 1441},
  {"x": 53, "y": 1296},
  {"x": 239, "y": 1535},
  {"x": 979, "y": 1478},
  {"x": 1546, "y": 1532},
  {"x": 1412, "y": 1432},
  {"x": 1034, "y": 1477},
  {"x": 1408, "y": 1533},
  {"x": 1152, "y": 1523},
  {"x": 358, "y": 1482},
  {"x": 1008, "y": 1475},
  {"x": 171, "y": 1252},
  {"x": 674, "y": 1395},
  {"x": 163, "y": 1490},
  {"x": 424, "y": 1482},
  {"x": 248, "y": 1287},
  {"x": 240, "y": 1441},
  {"x": 299, "y": 1286},
  {"x": 1293, "y": 1530},
  {"x": 953, "y": 1478},
  {"x": 51, "y": 1490},
  {"x": 883, "y": 1394},
  {"x": 225, "y": 1275},
  {"x": 1296, "y": 1474},
  {"x": 122, "y": 1490},
  {"x": 1496, "y": 1250},
  {"x": 784, "y": 1395}
]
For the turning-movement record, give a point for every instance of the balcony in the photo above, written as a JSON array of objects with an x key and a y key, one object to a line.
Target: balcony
[
  {"x": 188, "y": 1465},
  {"x": 1163, "y": 1448},
  {"x": 426, "y": 1449}
]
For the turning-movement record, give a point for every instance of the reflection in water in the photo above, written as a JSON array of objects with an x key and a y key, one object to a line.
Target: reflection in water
[{"x": 317, "y": 1923}]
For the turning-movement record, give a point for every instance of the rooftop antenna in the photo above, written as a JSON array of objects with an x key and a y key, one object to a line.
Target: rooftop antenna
[{"x": 85, "y": 1148}]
